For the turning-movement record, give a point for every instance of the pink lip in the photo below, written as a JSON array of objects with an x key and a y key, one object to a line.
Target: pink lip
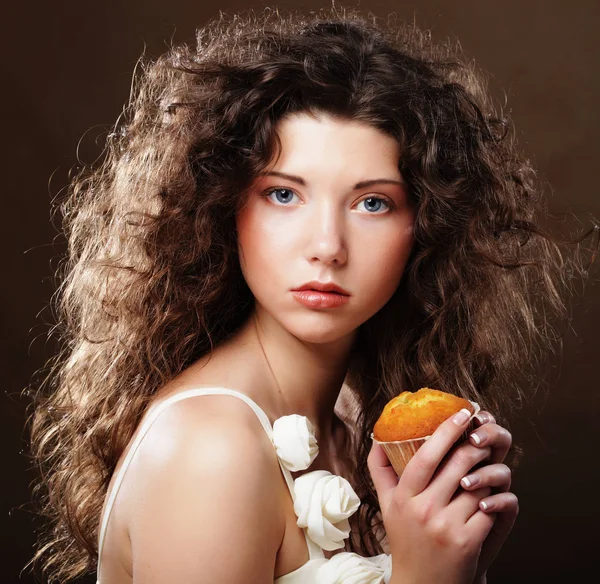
[
  {"x": 322, "y": 287},
  {"x": 318, "y": 299}
]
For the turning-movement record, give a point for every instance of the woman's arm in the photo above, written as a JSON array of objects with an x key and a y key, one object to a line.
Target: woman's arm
[{"x": 204, "y": 507}]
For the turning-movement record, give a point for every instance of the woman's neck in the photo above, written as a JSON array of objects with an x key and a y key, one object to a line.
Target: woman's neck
[{"x": 300, "y": 377}]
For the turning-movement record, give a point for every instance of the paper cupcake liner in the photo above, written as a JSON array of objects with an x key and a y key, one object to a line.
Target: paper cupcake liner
[{"x": 400, "y": 452}]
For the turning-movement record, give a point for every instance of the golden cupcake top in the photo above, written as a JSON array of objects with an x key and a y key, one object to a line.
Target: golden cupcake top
[{"x": 417, "y": 414}]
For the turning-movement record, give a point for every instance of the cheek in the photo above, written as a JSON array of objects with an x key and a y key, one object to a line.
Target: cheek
[
  {"x": 249, "y": 243},
  {"x": 398, "y": 251},
  {"x": 383, "y": 259},
  {"x": 260, "y": 246}
]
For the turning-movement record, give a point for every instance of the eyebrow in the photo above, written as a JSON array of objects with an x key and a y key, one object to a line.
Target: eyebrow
[{"x": 359, "y": 185}]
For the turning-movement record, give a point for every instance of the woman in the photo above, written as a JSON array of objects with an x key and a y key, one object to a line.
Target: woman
[{"x": 296, "y": 220}]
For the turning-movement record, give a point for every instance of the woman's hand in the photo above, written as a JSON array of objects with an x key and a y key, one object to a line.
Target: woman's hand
[
  {"x": 436, "y": 529},
  {"x": 503, "y": 504}
]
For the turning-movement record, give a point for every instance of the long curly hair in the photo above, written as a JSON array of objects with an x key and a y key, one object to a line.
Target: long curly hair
[{"x": 151, "y": 280}]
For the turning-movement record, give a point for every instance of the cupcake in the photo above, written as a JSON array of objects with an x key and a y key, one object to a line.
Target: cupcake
[{"x": 409, "y": 419}]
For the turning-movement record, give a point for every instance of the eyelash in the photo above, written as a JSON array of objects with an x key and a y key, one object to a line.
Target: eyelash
[{"x": 390, "y": 205}]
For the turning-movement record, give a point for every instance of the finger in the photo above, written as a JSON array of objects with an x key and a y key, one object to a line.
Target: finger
[
  {"x": 503, "y": 523},
  {"x": 422, "y": 465},
  {"x": 383, "y": 474},
  {"x": 480, "y": 525},
  {"x": 461, "y": 461},
  {"x": 492, "y": 475},
  {"x": 500, "y": 503},
  {"x": 494, "y": 436},
  {"x": 483, "y": 417},
  {"x": 465, "y": 504}
]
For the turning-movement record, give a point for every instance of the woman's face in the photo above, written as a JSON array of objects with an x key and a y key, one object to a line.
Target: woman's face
[{"x": 333, "y": 209}]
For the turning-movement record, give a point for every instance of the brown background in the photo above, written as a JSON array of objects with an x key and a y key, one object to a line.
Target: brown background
[{"x": 66, "y": 74}]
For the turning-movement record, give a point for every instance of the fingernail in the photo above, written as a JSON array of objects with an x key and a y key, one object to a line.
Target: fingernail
[
  {"x": 486, "y": 506},
  {"x": 483, "y": 418},
  {"x": 478, "y": 437},
  {"x": 470, "y": 481},
  {"x": 462, "y": 417}
]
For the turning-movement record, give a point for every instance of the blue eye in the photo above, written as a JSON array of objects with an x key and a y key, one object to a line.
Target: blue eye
[
  {"x": 374, "y": 204},
  {"x": 282, "y": 195}
]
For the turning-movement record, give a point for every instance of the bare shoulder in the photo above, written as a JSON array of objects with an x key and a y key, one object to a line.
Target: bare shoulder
[
  {"x": 202, "y": 500},
  {"x": 210, "y": 424}
]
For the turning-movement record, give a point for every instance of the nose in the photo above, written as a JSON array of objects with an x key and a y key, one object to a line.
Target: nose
[{"x": 326, "y": 236}]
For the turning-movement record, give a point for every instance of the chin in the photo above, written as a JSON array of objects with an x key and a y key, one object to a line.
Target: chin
[{"x": 319, "y": 327}]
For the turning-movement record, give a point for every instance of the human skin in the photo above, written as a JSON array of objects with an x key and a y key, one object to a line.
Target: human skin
[
  {"x": 323, "y": 230},
  {"x": 438, "y": 527},
  {"x": 290, "y": 233}
]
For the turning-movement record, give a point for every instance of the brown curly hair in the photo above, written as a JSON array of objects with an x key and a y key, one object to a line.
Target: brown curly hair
[{"x": 151, "y": 281}]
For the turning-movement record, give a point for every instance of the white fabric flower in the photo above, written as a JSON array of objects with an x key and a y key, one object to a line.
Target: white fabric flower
[
  {"x": 350, "y": 568},
  {"x": 323, "y": 502},
  {"x": 294, "y": 440}
]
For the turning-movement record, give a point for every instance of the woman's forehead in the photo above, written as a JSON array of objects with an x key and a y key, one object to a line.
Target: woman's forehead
[{"x": 331, "y": 144}]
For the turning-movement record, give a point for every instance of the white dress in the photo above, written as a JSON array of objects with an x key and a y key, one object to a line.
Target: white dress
[{"x": 322, "y": 501}]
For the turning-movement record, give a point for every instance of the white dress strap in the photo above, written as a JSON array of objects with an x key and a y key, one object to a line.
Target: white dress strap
[{"x": 314, "y": 551}]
